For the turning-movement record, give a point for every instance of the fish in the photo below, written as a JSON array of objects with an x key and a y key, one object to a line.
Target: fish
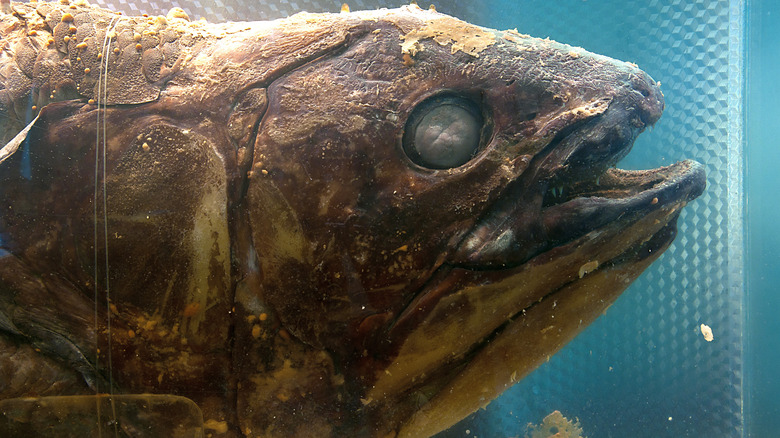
[{"x": 364, "y": 223}]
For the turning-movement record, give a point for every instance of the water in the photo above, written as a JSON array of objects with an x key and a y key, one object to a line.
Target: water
[
  {"x": 762, "y": 153},
  {"x": 644, "y": 369}
]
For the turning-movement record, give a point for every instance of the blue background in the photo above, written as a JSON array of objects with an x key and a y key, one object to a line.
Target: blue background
[{"x": 763, "y": 220}]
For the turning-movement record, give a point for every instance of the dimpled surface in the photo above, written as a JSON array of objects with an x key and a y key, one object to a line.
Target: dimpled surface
[{"x": 66, "y": 46}]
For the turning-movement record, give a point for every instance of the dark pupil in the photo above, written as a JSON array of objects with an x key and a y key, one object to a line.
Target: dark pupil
[{"x": 444, "y": 135}]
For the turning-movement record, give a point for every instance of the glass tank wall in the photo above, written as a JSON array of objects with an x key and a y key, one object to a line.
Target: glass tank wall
[{"x": 649, "y": 366}]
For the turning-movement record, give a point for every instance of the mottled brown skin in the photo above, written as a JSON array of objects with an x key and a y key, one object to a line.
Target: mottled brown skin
[{"x": 275, "y": 256}]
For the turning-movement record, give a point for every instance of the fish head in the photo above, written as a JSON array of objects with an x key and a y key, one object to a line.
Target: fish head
[{"x": 435, "y": 205}]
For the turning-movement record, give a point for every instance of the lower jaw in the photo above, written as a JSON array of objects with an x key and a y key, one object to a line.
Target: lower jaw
[{"x": 537, "y": 331}]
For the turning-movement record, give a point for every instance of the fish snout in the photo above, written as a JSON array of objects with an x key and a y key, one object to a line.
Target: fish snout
[{"x": 648, "y": 97}]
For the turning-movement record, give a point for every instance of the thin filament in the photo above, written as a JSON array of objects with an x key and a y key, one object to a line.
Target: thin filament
[{"x": 100, "y": 155}]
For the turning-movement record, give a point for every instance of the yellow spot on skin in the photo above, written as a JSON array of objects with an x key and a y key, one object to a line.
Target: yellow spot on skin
[
  {"x": 150, "y": 325},
  {"x": 66, "y": 39},
  {"x": 255, "y": 331},
  {"x": 284, "y": 335},
  {"x": 130, "y": 334},
  {"x": 462, "y": 37},
  {"x": 408, "y": 61},
  {"x": 219, "y": 427},
  {"x": 654, "y": 201},
  {"x": 32, "y": 33},
  {"x": 87, "y": 70},
  {"x": 263, "y": 316},
  {"x": 432, "y": 8},
  {"x": 66, "y": 17},
  {"x": 81, "y": 46},
  {"x": 34, "y": 108},
  {"x": 177, "y": 13},
  {"x": 137, "y": 37},
  {"x": 145, "y": 147},
  {"x": 138, "y": 47},
  {"x": 190, "y": 309},
  {"x": 116, "y": 50},
  {"x": 50, "y": 41},
  {"x": 344, "y": 8},
  {"x": 589, "y": 267},
  {"x": 264, "y": 172},
  {"x": 73, "y": 29},
  {"x": 99, "y": 56},
  {"x": 91, "y": 101}
]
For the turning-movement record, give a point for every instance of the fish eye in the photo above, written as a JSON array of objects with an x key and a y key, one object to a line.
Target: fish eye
[{"x": 443, "y": 132}]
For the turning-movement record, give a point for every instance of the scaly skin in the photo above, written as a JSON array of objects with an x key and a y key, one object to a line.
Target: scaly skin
[{"x": 55, "y": 52}]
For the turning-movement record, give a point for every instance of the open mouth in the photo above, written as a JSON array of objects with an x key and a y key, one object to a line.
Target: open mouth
[
  {"x": 571, "y": 189},
  {"x": 619, "y": 195}
]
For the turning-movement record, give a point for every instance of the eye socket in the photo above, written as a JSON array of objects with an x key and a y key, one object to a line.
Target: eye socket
[{"x": 443, "y": 132}]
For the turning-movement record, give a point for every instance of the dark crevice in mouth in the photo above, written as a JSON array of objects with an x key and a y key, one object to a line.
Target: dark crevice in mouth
[
  {"x": 610, "y": 183},
  {"x": 588, "y": 153},
  {"x": 620, "y": 195}
]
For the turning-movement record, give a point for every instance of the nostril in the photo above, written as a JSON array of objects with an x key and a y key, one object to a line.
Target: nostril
[{"x": 652, "y": 102}]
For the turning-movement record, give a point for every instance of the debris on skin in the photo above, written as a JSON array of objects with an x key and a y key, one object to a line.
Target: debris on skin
[
  {"x": 445, "y": 30},
  {"x": 589, "y": 267},
  {"x": 555, "y": 425}
]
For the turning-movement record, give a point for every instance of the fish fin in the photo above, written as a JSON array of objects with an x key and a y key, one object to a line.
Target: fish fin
[{"x": 13, "y": 145}]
